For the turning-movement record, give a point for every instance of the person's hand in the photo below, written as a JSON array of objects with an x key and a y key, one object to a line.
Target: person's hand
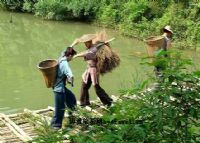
[
  {"x": 107, "y": 44},
  {"x": 75, "y": 56},
  {"x": 71, "y": 81}
]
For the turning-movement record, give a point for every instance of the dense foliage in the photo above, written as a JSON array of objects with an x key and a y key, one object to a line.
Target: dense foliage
[
  {"x": 169, "y": 113},
  {"x": 132, "y": 18}
]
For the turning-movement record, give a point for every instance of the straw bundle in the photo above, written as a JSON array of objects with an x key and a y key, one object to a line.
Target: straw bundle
[{"x": 107, "y": 59}]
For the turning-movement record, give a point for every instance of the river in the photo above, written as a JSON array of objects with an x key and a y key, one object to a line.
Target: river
[{"x": 28, "y": 40}]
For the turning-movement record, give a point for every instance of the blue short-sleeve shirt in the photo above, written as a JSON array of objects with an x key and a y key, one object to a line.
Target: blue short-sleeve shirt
[{"x": 63, "y": 72}]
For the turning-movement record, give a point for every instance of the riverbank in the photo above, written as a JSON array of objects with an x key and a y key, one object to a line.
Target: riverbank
[{"x": 132, "y": 18}]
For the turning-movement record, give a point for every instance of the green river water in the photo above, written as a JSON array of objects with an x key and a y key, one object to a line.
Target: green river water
[{"x": 28, "y": 40}]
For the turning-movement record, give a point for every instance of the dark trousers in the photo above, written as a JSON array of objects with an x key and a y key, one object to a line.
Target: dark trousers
[
  {"x": 84, "y": 97},
  {"x": 158, "y": 71},
  {"x": 159, "y": 74},
  {"x": 62, "y": 99}
]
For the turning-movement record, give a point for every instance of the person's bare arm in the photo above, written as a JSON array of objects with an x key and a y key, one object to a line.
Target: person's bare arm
[{"x": 82, "y": 54}]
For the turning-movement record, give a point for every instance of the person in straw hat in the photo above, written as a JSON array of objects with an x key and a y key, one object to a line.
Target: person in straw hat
[
  {"x": 63, "y": 96},
  {"x": 91, "y": 75},
  {"x": 167, "y": 34}
]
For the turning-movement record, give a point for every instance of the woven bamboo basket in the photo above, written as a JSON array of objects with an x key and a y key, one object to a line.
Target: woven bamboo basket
[
  {"x": 154, "y": 43},
  {"x": 48, "y": 68}
]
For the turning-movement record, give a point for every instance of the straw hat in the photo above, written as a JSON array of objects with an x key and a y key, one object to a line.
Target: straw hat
[
  {"x": 87, "y": 37},
  {"x": 168, "y": 28}
]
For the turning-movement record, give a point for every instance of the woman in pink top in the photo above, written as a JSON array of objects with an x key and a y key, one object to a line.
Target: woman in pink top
[{"x": 91, "y": 76}]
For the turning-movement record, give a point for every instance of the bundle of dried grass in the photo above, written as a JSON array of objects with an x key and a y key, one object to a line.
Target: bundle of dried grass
[{"x": 107, "y": 59}]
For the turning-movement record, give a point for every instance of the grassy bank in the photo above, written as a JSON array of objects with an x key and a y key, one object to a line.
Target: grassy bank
[{"x": 132, "y": 18}]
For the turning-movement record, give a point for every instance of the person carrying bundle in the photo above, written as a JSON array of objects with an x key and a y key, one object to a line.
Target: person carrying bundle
[{"x": 100, "y": 59}]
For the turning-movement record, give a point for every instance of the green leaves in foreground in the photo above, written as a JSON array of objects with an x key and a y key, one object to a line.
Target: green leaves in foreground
[{"x": 169, "y": 113}]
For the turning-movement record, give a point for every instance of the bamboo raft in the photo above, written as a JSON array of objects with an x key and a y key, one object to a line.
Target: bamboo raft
[{"x": 18, "y": 128}]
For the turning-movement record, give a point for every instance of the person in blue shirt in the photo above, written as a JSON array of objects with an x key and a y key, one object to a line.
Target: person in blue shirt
[{"x": 63, "y": 96}]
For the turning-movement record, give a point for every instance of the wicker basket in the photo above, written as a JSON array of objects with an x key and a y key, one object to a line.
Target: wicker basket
[
  {"x": 154, "y": 43},
  {"x": 48, "y": 68}
]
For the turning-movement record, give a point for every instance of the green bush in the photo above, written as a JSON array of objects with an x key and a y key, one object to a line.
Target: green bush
[
  {"x": 51, "y": 9},
  {"x": 28, "y": 5},
  {"x": 169, "y": 113},
  {"x": 84, "y": 10},
  {"x": 131, "y": 14},
  {"x": 108, "y": 16},
  {"x": 14, "y": 5}
]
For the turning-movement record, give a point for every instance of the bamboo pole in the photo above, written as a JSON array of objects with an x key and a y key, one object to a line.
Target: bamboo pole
[
  {"x": 90, "y": 109},
  {"x": 100, "y": 106},
  {"x": 19, "y": 130},
  {"x": 9, "y": 124},
  {"x": 34, "y": 114},
  {"x": 39, "y": 114},
  {"x": 51, "y": 108},
  {"x": 41, "y": 110},
  {"x": 13, "y": 115},
  {"x": 115, "y": 98}
]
